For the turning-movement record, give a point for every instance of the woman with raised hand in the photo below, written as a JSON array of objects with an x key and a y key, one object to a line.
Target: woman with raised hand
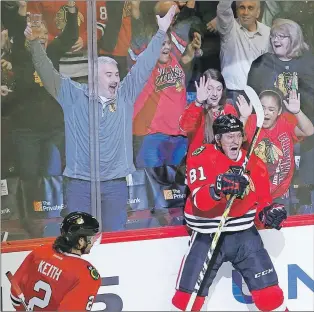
[{"x": 197, "y": 119}]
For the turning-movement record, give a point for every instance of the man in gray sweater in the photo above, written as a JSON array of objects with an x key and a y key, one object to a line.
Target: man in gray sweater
[{"x": 115, "y": 101}]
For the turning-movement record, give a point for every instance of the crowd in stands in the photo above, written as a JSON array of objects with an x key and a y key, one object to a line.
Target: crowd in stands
[{"x": 116, "y": 147}]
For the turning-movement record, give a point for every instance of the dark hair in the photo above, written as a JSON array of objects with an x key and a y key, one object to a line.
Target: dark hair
[
  {"x": 61, "y": 244},
  {"x": 275, "y": 93},
  {"x": 214, "y": 74}
]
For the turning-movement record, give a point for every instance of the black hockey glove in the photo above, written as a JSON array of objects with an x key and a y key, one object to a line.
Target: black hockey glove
[
  {"x": 273, "y": 216},
  {"x": 231, "y": 184}
]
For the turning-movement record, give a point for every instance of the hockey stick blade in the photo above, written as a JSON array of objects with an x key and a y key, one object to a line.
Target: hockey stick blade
[
  {"x": 198, "y": 289},
  {"x": 256, "y": 102},
  {"x": 17, "y": 289}
]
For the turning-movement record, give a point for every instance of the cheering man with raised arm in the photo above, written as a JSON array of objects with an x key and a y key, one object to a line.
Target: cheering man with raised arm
[
  {"x": 115, "y": 104},
  {"x": 242, "y": 41}
]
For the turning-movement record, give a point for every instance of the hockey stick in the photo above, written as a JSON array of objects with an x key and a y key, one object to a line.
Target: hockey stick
[
  {"x": 199, "y": 286},
  {"x": 17, "y": 289}
]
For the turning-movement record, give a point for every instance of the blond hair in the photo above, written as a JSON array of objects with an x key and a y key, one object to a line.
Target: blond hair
[{"x": 294, "y": 31}]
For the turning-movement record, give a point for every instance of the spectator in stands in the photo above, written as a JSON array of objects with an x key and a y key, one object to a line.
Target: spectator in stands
[
  {"x": 7, "y": 88},
  {"x": 242, "y": 41},
  {"x": 197, "y": 119},
  {"x": 289, "y": 66},
  {"x": 279, "y": 133},
  {"x": 182, "y": 28},
  {"x": 75, "y": 62},
  {"x": 157, "y": 135},
  {"x": 54, "y": 13},
  {"x": 301, "y": 12},
  {"x": 37, "y": 120},
  {"x": 115, "y": 105},
  {"x": 117, "y": 34},
  {"x": 188, "y": 22}
]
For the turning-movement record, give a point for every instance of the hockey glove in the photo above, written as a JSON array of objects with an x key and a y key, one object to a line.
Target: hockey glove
[
  {"x": 231, "y": 184},
  {"x": 273, "y": 216}
]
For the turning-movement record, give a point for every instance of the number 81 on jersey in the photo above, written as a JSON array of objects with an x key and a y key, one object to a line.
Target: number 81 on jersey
[{"x": 197, "y": 174}]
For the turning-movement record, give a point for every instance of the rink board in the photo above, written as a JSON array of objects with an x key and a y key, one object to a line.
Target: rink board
[{"x": 139, "y": 270}]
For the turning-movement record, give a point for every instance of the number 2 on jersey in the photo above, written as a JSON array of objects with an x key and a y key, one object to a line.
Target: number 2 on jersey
[
  {"x": 89, "y": 303},
  {"x": 37, "y": 302},
  {"x": 194, "y": 174}
]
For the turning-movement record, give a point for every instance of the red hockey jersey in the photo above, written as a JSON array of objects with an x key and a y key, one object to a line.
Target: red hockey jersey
[
  {"x": 54, "y": 281},
  {"x": 202, "y": 212},
  {"x": 54, "y": 15}
]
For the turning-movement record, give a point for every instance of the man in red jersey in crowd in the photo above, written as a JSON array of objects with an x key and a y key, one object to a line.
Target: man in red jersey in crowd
[
  {"x": 213, "y": 176},
  {"x": 55, "y": 277}
]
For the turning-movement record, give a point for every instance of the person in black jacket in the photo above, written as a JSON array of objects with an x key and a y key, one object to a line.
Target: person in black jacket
[
  {"x": 36, "y": 118},
  {"x": 290, "y": 66}
]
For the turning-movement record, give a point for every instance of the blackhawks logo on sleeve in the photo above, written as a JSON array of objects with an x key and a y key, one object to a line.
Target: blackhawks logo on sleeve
[
  {"x": 93, "y": 272},
  {"x": 198, "y": 150}
]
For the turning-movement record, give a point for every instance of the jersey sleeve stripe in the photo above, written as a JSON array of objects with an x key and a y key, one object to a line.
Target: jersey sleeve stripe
[
  {"x": 15, "y": 301},
  {"x": 195, "y": 191},
  {"x": 194, "y": 195},
  {"x": 210, "y": 225},
  {"x": 101, "y": 27}
]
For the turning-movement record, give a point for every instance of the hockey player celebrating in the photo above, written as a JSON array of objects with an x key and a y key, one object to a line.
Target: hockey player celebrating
[
  {"x": 213, "y": 176},
  {"x": 55, "y": 277}
]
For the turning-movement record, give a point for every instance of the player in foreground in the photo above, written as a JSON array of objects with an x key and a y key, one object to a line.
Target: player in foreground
[
  {"x": 213, "y": 176},
  {"x": 54, "y": 277}
]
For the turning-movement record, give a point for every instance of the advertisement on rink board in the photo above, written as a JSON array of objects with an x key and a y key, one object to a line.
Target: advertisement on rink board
[{"x": 141, "y": 275}]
